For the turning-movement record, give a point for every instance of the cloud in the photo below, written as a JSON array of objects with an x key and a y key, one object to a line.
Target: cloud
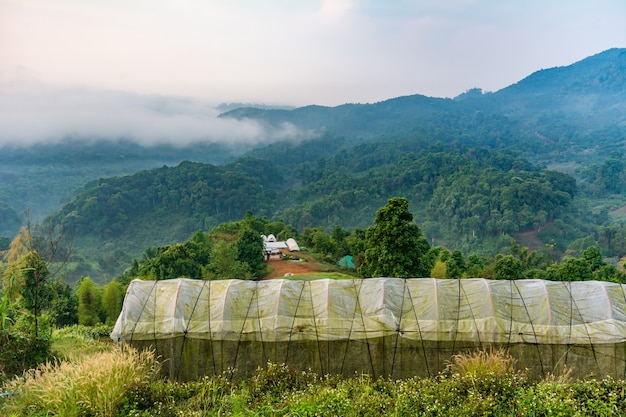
[{"x": 32, "y": 113}]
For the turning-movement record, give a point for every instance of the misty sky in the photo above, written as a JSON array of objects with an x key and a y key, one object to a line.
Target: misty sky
[{"x": 119, "y": 59}]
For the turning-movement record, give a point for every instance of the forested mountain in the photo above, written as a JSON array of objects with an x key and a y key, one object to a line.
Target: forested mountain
[
  {"x": 572, "y": 113},
  {"x": 540, "y": 160},
  {"x": 36, "y": 180}
]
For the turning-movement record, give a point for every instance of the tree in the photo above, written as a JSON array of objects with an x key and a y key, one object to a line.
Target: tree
[
  {"x": 36, "y": 293},
  {"x": 28, "y": 287},
  {"x": 26, "y": 277},
  {"x": 250, "y": 251},
  {"x": 575, "y": 270},
  {"x": 452, "y": 269},
  {"x": 89, "y": 302},
  {"x": 593, "y": 256},
  {"x": 395, "y": 245},
  {"x": 64, "y": 305},
  {"x": 475, "y": 266},
  {"x": 507, "y": 267},
  {"x": 224, "y": 263},
  {"x": 459, "y": 262},
  {"x": 112, "y": 300}
]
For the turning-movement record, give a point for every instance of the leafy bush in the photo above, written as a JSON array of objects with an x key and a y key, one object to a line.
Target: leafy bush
[{"x": 20, "y": 351}]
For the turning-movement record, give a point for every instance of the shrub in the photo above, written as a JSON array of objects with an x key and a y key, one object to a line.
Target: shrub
[{"x": 20, "y": 351}]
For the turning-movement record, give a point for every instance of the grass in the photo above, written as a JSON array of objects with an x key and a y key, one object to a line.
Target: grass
[
  {"x": 113, "y": 382},
  {"x": 76, "y": 341},
  {"x": 94, "y": 384},
  {"x": 318, "y": 275}
]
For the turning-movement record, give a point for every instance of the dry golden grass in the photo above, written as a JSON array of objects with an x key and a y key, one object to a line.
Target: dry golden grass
[
  {"x": 89, "y": 385},
  {"x": 477, "y": 364}
]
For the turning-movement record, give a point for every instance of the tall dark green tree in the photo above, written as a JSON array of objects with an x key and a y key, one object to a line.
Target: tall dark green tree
[
  {"x": 250, "y": 251},
  {"x": 395, "y": 245},
  {"x": 593, "y": 256}
]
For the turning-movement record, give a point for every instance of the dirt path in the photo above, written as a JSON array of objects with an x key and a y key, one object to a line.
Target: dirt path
[
  {"x": 280, "y": 267},
  {"x": 529, "y": 238}
]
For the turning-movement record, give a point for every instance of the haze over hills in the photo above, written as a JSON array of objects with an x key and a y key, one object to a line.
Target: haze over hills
[
  {"x": 564, "y": 104},
  {"x": 341, "y": 163}
]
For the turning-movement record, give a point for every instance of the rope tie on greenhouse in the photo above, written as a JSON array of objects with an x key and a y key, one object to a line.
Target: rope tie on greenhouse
[
  {"x": 258, "y": 314},
  {"x": 398, "y": 328},
  {"x": 367, "y": 342},
  {"x": 345, "y": 353},
  {"x": 591, "y": 345},
  {"x": 317, "y": 337},
  {"x": 186, "y": 329},
  {"x": 508, "y": 342},
  {"x": 532, "y": 326},
  {"x": 571, "y": 319},
  {"x": 624, "y": 294},
  {"x": 243, "y": 325},
  {"x": 210, "y": 330},
  {"x": 143, "y": 307},
  {"x": 419, "y": 330},
  {"x": 293, "y": 322},
  {"x": 154, "y": 323},
  {"x": 458, "y": 316},
  {"x": 471, "y": 310}
]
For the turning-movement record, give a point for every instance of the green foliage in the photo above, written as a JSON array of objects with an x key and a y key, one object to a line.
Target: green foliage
[
  {"x": 225, "y": 263},
  {"x": 575, "y": 270},
  {"x": 507, "y": 267},
  {"x": 186, "y": 259},
  {"x": 22, "y": 350},
  {"x": 64, "y": 306},
  {"x": 112, "y": 300},
  {"x": 230, "y": 250},
  {"x": 89, "y": 302},
  {"x": 395, "y": 245},
  {"x": 250, "y": 251},
  {"x": 593, "y": 256}
]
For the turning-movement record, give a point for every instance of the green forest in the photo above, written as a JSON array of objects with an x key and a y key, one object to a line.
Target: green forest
[{"x": 475, "y": 200}]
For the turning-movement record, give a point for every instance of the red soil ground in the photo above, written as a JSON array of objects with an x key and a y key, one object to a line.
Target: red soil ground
[{"x": 281, "y": 267}]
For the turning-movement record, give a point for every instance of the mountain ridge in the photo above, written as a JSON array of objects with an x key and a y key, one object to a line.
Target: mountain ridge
[{"x": 411, "y": 145}]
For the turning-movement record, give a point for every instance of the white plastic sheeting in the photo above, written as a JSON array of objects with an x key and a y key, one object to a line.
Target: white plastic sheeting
[{"x": 423, "y": 309}]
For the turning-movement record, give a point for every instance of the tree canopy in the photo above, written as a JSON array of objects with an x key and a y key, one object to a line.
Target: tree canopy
[{"x": 395, "y": 245}]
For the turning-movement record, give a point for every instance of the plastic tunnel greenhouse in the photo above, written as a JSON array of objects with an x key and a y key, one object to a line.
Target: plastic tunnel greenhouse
[{"x": 388, "y": 327}]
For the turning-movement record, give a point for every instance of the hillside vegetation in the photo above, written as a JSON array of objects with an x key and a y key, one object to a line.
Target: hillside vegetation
[{"x": 540, "y": 161}]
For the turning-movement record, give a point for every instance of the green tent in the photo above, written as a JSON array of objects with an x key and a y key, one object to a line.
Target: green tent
[{"x": 346, "y": 262}]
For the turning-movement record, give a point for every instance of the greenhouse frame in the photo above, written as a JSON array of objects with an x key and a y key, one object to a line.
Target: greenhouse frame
[{"x": 389, "y": 327}]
